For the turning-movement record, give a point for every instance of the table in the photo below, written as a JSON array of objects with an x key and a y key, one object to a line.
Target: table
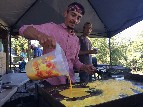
[
  {"x": 14, "y": 79},
  {"x": 6, "y": 95}
]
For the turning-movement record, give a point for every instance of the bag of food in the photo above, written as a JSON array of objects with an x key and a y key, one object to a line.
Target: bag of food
[{"x": 50, "y": 65}]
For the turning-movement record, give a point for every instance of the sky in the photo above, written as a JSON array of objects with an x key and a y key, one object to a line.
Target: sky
[
  {"x": 132, "y": 31},
  {"x": 35, "y": 42}
]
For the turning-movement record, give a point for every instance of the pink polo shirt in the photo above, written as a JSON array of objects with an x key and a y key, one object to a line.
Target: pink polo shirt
[{"x": 69, "y": 43}]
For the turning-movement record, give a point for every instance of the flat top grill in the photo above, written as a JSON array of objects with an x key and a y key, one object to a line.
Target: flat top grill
[{"x": 51, "y": 94}]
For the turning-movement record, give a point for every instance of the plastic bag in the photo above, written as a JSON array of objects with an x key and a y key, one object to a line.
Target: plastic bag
[{"x": 50, "y": 65}]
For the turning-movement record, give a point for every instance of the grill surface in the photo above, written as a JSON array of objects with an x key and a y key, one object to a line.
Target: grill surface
[{"x": 49, "y": 95}]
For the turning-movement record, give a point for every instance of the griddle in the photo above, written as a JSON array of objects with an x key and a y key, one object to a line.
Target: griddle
[{"x": 49, "y": 95}]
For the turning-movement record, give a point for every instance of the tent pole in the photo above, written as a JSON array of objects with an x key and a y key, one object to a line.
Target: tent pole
[
  {"x": 110, "y": 52},
  {"x": 9, "y": 40}
]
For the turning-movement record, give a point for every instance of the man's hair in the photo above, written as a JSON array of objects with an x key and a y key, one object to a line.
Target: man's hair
[
  {"x": 87, "y": 23},
  {"x": 76, "y": 7}
]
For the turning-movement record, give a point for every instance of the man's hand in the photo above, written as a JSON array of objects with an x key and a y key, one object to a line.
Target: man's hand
[
  {"x": 48, "y": 42},
  {"x": 88, "y": 68}
]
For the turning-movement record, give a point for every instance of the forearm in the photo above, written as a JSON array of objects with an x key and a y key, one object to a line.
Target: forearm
[
  {"x": 31, "y": 33},
  {"x": 84, "y": 52}
]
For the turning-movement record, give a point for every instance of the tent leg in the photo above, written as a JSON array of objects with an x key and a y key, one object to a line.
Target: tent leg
[
  {"x": 9, "y": 41},
  {"x": 110, "y": 52}
]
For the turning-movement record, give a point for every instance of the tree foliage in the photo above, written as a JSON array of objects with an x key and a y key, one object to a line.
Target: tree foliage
[
  {"x": 18, "y": 44},
  {"x": 103, "y": 49},
  {"x": 126, "y": 52}
]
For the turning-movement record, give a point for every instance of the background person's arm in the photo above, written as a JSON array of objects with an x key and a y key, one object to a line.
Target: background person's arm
[{"x": 94, "y": 51}]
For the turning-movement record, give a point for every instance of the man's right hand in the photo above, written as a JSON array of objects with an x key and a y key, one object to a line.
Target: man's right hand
[{"x": 48, "y": 42}]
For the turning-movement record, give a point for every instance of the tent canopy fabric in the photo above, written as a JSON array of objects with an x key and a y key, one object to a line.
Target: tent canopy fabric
[{"x": 108, "y": 17}]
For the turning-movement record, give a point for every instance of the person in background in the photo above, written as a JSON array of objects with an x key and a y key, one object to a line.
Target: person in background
[
  {"x": 86, "y": 51},
  {"x": 49, "y": 33},
  {"x": 36, "y": 51},
  {"x": 23, "y": 54},
  {"x": 22, "y": 64},
  {"x": 23, "y": 60},
  {"x": 41, "y": 49}
]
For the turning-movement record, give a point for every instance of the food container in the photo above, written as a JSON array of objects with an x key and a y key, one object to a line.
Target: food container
[{"x": 52, "y": 64}]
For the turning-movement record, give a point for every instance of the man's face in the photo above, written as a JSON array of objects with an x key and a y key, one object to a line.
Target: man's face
[
  {"x": 87, "y": 29},
  {"x": 72, "y": 18}
]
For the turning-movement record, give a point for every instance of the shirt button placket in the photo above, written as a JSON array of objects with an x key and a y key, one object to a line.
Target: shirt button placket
[{"x": 67, "y": 44}]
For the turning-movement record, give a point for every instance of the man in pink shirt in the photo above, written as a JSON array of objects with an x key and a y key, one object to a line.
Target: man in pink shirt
[{"x": 49, "y": 33}]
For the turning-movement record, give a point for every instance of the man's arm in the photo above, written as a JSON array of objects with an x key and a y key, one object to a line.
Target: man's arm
[
  {"x": 83, "y": 52},
  {"x": 88, "y": 52},
  {"x": 82, "y": 67},
  {"x": 36, "y": 32},
  {"x": 31, "y": 33}
]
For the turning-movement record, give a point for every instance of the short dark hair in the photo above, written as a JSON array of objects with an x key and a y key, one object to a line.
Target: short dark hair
[
  {"x": 87, "y": 23},
  {"x": 72, "y": 6}
]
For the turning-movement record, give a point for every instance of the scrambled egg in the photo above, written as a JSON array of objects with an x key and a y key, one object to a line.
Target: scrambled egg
[{"x": 112, "y": 89}]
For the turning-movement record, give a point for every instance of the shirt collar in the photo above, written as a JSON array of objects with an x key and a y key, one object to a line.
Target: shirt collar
[{"x": 65, "y": 27}]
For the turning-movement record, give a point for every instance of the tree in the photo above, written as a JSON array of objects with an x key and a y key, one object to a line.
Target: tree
[
  {"x": 103, "y": 49},
  {"x": 18, "y": 44},
  {"x": 118, "y": 54}
]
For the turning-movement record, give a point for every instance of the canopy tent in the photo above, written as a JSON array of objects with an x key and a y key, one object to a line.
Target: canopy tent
[{"x": 108, "y": 17}]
